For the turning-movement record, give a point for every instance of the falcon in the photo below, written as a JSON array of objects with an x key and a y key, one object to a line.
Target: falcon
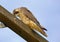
[{"x": 28, "y": 18}]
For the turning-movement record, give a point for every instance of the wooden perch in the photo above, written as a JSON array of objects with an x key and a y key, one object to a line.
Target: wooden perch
[{"x": 19, "y": 27}]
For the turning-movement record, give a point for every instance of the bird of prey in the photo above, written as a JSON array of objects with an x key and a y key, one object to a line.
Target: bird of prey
[{"x": 27, "y": 18}]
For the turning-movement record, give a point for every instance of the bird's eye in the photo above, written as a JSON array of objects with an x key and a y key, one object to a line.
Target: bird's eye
[{"x": 16, "y": 12}]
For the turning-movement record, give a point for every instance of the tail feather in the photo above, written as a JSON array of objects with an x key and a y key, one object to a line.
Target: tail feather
[{"x": 44, "y": 29}]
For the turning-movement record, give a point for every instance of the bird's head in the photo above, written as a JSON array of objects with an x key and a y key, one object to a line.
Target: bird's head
[
  {"x": 20, "y": 10},
  {"x": 16, "y": 11}
]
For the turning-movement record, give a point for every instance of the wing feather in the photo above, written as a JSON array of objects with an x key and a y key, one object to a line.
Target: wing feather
[{"x": 31, "y": 16}]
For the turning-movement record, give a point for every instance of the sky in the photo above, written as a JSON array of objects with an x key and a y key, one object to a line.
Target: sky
[{"x": 47, "y": 13}]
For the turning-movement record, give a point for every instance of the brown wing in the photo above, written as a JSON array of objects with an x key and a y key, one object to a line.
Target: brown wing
[{"x": 30, "y": 15}]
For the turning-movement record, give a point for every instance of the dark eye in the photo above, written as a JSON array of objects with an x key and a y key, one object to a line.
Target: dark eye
[{"x": 16, "y": 12}]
